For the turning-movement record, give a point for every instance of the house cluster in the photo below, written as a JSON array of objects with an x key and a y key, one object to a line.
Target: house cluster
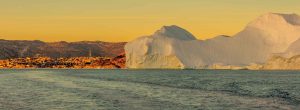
[{"x": 74, "y": 62}]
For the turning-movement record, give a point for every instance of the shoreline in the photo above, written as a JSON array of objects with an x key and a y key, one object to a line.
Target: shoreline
[{"x": 147, "y": 69}]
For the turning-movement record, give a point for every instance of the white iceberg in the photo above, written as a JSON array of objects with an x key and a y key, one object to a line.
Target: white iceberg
[{"x": 174, "y": 47}]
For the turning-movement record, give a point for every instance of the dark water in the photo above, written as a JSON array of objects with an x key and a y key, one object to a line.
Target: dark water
[{"x": 148, "y": 89}]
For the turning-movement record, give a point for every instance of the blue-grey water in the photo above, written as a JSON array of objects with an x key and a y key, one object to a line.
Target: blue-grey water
[{"x": 69, "y": 89}]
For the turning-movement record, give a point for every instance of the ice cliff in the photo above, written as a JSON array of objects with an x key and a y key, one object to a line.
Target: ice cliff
[
  {"x": 282, "y": 63},
  {"x": 174, "y": 47}
]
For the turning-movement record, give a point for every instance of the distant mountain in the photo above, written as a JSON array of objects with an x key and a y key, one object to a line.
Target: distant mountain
[
  {"x": 174, "y": 47},
  {"x": 22, "y": 48}
]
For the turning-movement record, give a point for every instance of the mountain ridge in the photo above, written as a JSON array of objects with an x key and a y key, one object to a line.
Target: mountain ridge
[{"x": 33, "y": 48}]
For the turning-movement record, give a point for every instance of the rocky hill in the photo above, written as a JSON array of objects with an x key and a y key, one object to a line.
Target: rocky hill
[{"x": 22, "y": 48}]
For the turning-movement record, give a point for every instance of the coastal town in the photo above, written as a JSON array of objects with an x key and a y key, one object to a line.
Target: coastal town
[{"x": 73, "y": 62}]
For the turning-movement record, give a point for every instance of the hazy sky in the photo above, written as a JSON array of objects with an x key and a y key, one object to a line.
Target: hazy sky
[{"x": 124, "y": 20}]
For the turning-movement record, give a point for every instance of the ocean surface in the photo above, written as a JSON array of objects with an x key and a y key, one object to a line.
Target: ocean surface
[{"x": 69, "y": 89}]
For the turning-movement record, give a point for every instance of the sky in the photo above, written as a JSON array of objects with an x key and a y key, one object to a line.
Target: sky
[{"x": 125, "y": 20}]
